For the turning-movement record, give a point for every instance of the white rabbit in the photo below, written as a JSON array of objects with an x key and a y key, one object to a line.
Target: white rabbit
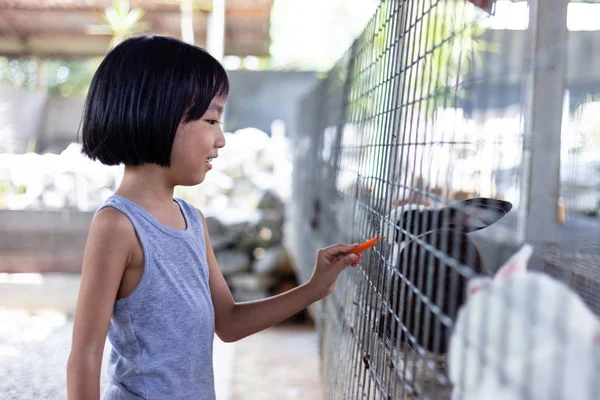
[{"x": 524, "y": 335}]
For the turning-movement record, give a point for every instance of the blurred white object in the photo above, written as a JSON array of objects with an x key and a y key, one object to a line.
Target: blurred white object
[
  {"x": 524, "y": 335},
  {"x": 250, "y": 163}
]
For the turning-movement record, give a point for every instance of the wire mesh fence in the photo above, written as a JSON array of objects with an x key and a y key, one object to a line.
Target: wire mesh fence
[{"x": 448, "y": 138}]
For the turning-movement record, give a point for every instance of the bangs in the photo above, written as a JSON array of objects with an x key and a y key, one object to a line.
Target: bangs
[{"x": 212, "y": 82}]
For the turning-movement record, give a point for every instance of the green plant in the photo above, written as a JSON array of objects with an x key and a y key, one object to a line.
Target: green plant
[
  {"x": 120, "y": 22},
  {"x": 71, "y": 77},
  {"x": 20, "y": 72},
  {"x": 441, "y": 41}
]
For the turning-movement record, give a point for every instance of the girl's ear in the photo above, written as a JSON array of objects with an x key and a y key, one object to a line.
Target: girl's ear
[
  {"x": 477, "y": 283},
  {"x": 517, "y": 264}
]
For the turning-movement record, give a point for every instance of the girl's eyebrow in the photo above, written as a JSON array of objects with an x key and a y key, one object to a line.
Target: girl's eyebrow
[{"x": 215, "y": 107}]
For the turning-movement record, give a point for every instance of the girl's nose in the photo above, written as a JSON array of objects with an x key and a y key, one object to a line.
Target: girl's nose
[{"x": 220, "y": 143}]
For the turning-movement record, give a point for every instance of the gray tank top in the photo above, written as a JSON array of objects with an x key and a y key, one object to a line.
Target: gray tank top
[{"x": 162, "y": 333}]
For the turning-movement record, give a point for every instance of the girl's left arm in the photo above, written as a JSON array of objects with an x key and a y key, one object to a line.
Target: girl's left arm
[{"x": 235, "y": 321}]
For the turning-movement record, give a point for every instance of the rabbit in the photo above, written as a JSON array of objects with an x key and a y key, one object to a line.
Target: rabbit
[
  {"x": 414, "y": 265},
  {"x": 524, "y": 331}
]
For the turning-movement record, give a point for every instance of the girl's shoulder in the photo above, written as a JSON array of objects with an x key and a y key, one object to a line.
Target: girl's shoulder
[{"x": 112, "y": 223}]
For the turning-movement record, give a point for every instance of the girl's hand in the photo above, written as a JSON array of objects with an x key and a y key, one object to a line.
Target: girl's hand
[{"x": 331, "y": 261}]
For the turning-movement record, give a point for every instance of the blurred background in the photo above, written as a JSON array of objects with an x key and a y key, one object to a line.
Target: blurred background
[
  {"x": 303, "y": 165},
  {"x": 49, "y": 49}
]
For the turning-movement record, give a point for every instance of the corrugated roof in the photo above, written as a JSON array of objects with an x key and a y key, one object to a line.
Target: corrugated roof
[{"x": 59, "y": 28}]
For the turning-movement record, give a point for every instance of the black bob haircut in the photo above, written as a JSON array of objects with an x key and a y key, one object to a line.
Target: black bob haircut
[{"x": 140, "y": 93}]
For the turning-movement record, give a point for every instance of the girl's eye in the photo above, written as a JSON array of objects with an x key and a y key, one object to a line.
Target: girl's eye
[{"x": 214, "y": 122}]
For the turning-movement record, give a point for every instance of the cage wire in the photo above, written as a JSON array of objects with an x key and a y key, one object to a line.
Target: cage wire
[{"x": 429, "y": 132}]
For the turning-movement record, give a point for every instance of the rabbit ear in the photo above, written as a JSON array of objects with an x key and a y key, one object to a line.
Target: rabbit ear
[
  {"x": 517, "y": 264},
  {"x": 467, "y": 216},
  {"x": 477, "y": 283},
  {"x": 474, "y": 214}
]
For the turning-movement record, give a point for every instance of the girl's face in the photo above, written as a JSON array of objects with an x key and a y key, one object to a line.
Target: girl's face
[{"x": 196, "y": 144}]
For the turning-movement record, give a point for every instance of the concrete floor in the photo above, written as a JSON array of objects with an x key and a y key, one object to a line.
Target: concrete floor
[{"x": 278, "y": 363}]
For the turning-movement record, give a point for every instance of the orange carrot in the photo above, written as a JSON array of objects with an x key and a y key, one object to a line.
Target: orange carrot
[{"x": 366, "y": 245}]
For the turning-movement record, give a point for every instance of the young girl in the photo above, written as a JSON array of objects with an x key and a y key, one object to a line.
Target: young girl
[{"x": 150, "y": 279}]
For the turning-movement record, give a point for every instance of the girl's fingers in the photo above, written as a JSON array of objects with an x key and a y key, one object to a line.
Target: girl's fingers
[
  {"x": 336, "y": 258},
  {"x": 338, "y": 249},
  {"x": 335, "y": 252},
  {"x": 347, "y": 259}
]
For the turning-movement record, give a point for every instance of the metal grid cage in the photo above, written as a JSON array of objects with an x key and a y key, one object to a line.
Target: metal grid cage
[{"x": 443, "y": 136}]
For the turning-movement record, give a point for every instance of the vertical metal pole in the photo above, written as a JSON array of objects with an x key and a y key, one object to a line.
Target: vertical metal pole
[
  {"x": 186, "y": 9},
  {"x": 330, "y": 189},
  {"x": 215, "y": 34},
  {"x": 546, "y": 78}
]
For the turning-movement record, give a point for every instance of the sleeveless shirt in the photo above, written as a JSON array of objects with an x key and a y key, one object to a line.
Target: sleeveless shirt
[{"x": 162, "y": 332}]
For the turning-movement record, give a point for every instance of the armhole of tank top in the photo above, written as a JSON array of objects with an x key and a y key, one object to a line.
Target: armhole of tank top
[
  {"x": 145, "y": 248},
  {"x": 194, "y": 216}
]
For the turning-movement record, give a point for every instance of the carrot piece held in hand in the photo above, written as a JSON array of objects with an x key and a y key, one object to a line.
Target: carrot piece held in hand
[{"x": 366, "y": 245}]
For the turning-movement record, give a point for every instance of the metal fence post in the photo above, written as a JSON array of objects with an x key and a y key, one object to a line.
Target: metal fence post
[
  {"x": 540, "y": 184},
  {"x": 330, "y": 189}
]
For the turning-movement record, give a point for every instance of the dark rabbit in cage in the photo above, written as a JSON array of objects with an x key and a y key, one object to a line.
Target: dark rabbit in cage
[{"x": 425, "y": 289}]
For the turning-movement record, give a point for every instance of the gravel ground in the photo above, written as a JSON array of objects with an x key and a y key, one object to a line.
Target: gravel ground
[
  {"x": 34, "y": 347},
  {"x": 278, "y": 363}
]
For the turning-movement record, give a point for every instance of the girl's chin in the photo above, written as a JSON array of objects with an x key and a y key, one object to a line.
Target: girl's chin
[{"x": 193, "y": 180}]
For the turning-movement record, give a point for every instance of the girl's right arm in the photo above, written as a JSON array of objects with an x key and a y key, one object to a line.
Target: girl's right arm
[{"x": 108, "y": 251}]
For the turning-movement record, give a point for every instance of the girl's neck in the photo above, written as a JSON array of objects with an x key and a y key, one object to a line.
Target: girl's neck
[{"x": 147, "y": 185}]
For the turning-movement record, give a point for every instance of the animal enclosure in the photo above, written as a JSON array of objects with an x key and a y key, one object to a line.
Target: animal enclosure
[{"x": 459, "y": 141}]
